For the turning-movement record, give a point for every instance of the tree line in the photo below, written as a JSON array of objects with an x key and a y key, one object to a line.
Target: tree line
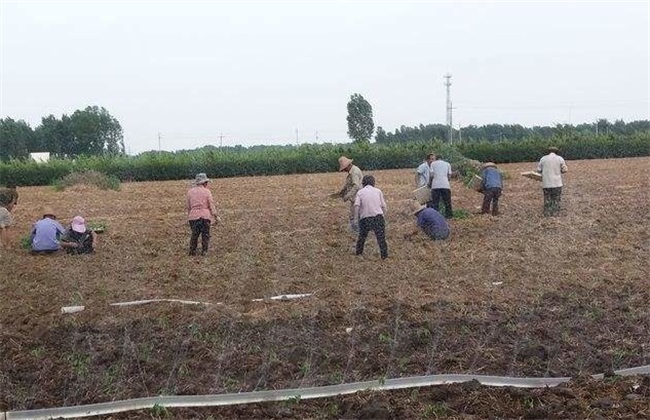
[
  {"x": 89, "y": 132},
  {"x": 510, "y": 132}
]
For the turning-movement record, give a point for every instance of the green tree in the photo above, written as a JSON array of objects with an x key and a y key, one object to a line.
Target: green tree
[
  {"x": 55, "y": 135},
  {"x": 360, "y": 124},
  {"x": 15, "y": 139},
  {"x": 95, "y": 131}
]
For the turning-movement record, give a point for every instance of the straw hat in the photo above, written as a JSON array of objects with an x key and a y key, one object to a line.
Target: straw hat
[
  {"x": 553, "y": 149},
  {"x": 344, "y": 162},
  {"x": 417, "y": 207},
  {"x": 201, "y": 179},
  {"x": 47, "y": 211},
  {"x": 488, "y": 165}
]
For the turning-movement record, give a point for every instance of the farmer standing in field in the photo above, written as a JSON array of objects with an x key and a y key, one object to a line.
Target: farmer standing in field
[
  {"x": 350, "y": 188},
  {"x": 200, "y": 211},
  {"x": 440, "y": 186},
  {"x": 369, "y": 210},
  {"x": 552, "y": 166},
  {"x": 423, "y": 171},
  {"x": 491, "y": 187}
]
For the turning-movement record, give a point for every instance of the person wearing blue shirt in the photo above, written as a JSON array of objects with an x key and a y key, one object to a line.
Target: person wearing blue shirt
[
  {"x": 491, "y": 188},
  {"x": 46, "y": 233},
  {"x": 430, "y": 222}
]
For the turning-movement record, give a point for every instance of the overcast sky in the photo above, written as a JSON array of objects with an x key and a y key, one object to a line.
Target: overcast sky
[{"x": 270, "y": 72}]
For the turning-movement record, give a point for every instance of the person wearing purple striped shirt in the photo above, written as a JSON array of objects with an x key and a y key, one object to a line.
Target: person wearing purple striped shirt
[{"x": 369, "y": 210}]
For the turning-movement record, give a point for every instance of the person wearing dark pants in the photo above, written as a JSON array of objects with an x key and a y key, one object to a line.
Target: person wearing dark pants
[
  {"x": 552, "y": 197},
  {"x": 440, "y": 186},
  {"x": 369, "y": 210},
  {"x": 200, "y": 211},
  {"x": 491, "y": 187},
  {"x": 200, "y": 227},
  {"x": 443, "y": 194},
  {"x": 552, "y": 166},
  {"x": 378, "y": 226}
]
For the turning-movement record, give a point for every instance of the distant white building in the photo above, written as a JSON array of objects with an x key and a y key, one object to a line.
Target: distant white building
[{"x": 43, "y": 157}]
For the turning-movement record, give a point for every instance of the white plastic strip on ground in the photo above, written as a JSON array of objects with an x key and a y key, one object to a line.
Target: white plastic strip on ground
[
  {"x": 185, "y": 401},
  {"x": 285, "y": 297},
  {"x": 143, "y": 302}
]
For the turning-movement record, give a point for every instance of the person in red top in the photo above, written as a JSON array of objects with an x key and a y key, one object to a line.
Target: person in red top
[{"x": 200, "y": 211}]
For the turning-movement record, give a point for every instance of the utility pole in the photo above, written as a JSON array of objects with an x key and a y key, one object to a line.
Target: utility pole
[
  {"x": 297, "y": 137},
  {"x": 220, "y": 140},
  {"x": 449, "y": 108},
  {"x": 159, "y": 137}
]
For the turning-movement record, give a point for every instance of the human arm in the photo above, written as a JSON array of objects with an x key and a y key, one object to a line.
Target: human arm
[
  {"x": 213, "y": 208},
  {"x": 563, "y": 167}
]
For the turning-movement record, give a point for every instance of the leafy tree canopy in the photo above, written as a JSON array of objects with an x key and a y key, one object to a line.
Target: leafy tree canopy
[{"x": 360, "y": 123}]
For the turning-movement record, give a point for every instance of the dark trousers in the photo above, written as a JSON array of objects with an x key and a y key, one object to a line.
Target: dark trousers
[
  {"x": 199, "y": 227},
  {"x": 377, "y": 225},
  {"x": 552, "y": 198},
  {"x": 443, "y": 194},
  {"x": 491, "y": 196}
]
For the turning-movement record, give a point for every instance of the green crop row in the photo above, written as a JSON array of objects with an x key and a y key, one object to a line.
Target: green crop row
[{"x": 311, "y": 158}]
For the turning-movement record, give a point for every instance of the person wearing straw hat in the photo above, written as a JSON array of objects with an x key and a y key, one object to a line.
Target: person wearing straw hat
[
  {"x": 78, "y": 239},
  {"x": 7, "y": 204},
  {"x": 201, "y": 210},
  {"x": 491, "y": 187},
  {"x": 429, "y": 221},
  {"x": 350, "y": 188},
  {"x": 552, "y": 166},
  {"x": 46, "y": 232}
]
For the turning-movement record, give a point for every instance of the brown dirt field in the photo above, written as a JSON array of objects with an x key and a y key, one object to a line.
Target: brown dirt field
[{"x": 517, "y": 295}]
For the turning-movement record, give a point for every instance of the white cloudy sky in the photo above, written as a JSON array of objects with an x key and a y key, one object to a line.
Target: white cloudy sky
[{"x": 258, "y": 72}]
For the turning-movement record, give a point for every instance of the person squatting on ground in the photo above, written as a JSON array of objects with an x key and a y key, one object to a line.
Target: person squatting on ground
[
  {"x": 422, "y": 173},
  {"x": 81, "y": 240},
  {"x": 200, "y": 211},
  {"x": 369, "y": 210},
  {"x": 46, "y": 234},
  {"x": 491, "y": 187},
  {"x": 552, "y": 166},
  {"x": 350, "y": 188},
  {"x": 440, "y": 186},
  {"x": 429, "y": 221},
  {"x": 7, "y": 204}
]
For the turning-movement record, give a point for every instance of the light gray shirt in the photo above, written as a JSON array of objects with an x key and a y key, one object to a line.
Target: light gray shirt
[
  {"x": 440, "y": 172},
  {"x": 5, "y": 218},
  {"x": 422, "y": 175},
  {"x": 551, "y": 167}
]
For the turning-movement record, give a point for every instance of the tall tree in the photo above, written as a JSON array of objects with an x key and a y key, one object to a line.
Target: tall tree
[
  {"x": 95, "y": 131},
  {"x": 360, "y": 123},
  {"x": 15, "y": 138}
]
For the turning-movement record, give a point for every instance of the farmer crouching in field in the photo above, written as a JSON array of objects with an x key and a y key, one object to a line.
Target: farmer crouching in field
[
  {"x": 350, "y": 188},
  {"x": 200, "y": 211},
  {"x": 429, "y": 221},
  {"x": 369, "y": 210},
  {"x": 7, "y": 203},
  {"x": 78, "y": 239},
  {"x": 491, "y": 187},
  {"x": 46, "y": 233},
  {"x": 552, "y": 166}
]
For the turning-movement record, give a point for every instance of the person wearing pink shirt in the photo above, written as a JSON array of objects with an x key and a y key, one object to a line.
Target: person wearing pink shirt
[
  {"x": 369, "y": 210},
  {"x": 200, "y": 211}
]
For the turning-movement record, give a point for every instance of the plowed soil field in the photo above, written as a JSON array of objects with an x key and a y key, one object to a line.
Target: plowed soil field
[{"x": 514, "y": 295}]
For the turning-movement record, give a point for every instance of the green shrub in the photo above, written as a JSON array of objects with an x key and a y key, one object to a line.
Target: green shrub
[{"x": 94, "y": 178}]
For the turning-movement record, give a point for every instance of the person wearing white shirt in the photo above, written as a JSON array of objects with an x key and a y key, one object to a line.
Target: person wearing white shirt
[
  {"x": 552, "y": 166},
  {"x": 440, "y": 186},
  {"x": 422, "y": 172},
  {"x": 369, "y": 210}
]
